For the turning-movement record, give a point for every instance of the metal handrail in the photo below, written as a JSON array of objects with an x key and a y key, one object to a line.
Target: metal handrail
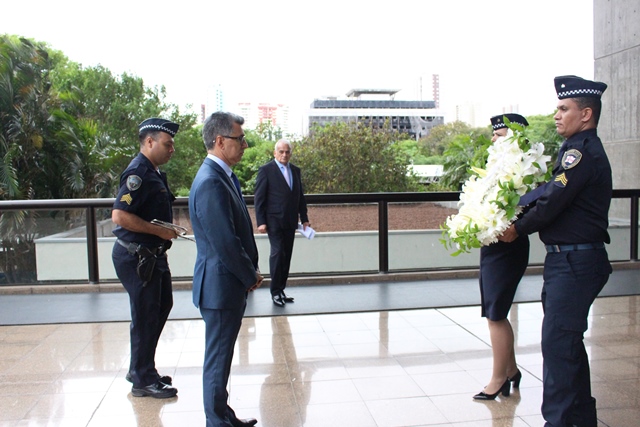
[{"x": 381, "y": 199}]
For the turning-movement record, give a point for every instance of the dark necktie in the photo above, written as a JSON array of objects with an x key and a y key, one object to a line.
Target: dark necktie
[{"x": 234, "y": 178}]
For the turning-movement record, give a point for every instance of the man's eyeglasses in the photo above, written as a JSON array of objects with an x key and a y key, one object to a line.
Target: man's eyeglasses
[{"x": 241, "y": 139}]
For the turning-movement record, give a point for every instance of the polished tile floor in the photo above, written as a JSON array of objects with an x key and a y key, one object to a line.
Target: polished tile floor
[{"x": 397, "y": 368}]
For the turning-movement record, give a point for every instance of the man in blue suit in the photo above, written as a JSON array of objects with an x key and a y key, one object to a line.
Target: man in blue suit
[
  {"x": 226, "y": 267},
  {"x": 279, "y": 203}
]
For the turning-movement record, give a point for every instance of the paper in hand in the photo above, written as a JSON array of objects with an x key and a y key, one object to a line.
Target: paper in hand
[
  {"x": 179, "y": 230},
  {"x": 309, "y": 233}
]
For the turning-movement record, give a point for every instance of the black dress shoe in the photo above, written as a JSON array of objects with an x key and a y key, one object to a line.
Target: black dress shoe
[
  {"x": 287, "y": 298},
  {"x": 164, "y": 380},
  {"x": 157, "y": 390},
  {"x": 278, "y": 300},
  {"x": 244, "y": 423}
]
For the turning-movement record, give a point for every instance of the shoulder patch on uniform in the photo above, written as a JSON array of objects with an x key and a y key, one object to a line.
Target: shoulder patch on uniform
[
  {"x": 133, "y": 182},
  {"x": 126, "y": 198},
  {"x": 571, "y": 158},
  {"x": 561, "y": 180}
]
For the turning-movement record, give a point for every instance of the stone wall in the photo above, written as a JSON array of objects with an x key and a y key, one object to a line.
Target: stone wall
[{"x": 617, "y": 63}]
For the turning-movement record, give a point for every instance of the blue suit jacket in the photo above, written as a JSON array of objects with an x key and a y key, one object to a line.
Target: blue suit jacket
[{"x": 227, "y": 257}]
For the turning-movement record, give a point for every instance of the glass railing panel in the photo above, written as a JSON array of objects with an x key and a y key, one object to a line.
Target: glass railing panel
[
  {"x": 346, "y": 241},
  {"x": 415, "y": 234},
  {"x": 619, "y": 230},
  {"x": 43, "y": 246}
]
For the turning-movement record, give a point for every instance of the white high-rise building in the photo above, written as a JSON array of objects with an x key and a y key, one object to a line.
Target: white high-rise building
[{"x": 214, "y": 102}]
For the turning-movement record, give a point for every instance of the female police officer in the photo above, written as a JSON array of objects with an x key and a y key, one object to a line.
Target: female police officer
[{"x": 501, "y": 268}]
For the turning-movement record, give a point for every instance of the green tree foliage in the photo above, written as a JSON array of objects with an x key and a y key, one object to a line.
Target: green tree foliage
[
  {"x": 353, "y": 158},
  {"x": 117, "y": 104},
  {"x": 44, "y": 151},
  {"x": 186, "y": 160},
  {"x": 68, "y": 131},
  {"x": 267, "y": 132},
  {"x": 415, "y": 152},
  {"x": 440, "y": 137},
  {"x": 25, "y": 106},
  {"x": 464, "y": 150},
  {"x": 65, "y": 132},
  {"x": 543, "y": 129}
]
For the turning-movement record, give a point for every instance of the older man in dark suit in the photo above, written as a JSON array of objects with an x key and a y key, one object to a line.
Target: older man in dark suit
[
  {"x": 226, "y": 267},
  {"x": 279, "y": 203}
]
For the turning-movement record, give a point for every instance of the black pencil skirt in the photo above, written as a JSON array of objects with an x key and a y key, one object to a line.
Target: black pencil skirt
[{"x": 502, "y": 265}]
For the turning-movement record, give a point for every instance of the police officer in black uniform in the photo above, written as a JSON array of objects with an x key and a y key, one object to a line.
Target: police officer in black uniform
[
  {"x": 571, "y": 217},
  {"x": 139, "y": 254}
]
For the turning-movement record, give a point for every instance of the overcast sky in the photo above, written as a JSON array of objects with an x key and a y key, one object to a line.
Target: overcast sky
[{"x": 493, "y": 53}]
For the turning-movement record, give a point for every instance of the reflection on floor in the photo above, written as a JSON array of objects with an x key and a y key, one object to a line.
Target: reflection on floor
[{"x": 399, "y": 368}]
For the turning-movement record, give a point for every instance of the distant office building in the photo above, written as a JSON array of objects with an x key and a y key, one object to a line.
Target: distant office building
[
  {"x": 215, "y": 101},
  {"x": 436, "y": 89},
  {"x": 415, "y": 118},
  {"x": 478, "y": 114},
  {"x": 473, "y": 114},
  {"x": 255, "y": 113}
]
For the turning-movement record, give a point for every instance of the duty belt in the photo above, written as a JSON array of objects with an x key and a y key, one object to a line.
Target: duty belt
[
  {"x": 134, "y": 248},
  {"x": 577, "y": 247}
]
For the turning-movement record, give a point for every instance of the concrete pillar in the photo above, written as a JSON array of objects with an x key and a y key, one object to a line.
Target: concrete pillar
[{"x": 617, "y": 63}]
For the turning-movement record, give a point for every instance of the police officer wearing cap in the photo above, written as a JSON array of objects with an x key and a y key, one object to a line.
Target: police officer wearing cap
[
  {"x": 571, "y": 217},
  {"x": 499, "y": 127},
  {"x": 502, "y": 265},
  {"x": 139, "y": 254}
]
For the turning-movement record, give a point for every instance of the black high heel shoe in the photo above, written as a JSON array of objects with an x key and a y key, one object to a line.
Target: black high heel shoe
[
  {"x": 516, "y": 379},
  {"x": 505, "y": 389}
]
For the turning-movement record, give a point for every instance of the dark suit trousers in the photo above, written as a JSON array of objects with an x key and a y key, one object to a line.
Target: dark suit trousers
[
  {"x": 150, "y": 307},
  {"x": 281, "y": 241},
  {"x": 222, "y": 328}
]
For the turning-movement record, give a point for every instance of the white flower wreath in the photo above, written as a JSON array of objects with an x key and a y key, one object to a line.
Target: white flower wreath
[{"x": 489, "y": 199}]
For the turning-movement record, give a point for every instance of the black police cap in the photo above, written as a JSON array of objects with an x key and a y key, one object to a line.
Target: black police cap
[
  {"x": 497, "y": 122},
  {"x": 577, "y": 87},
  {"x": 156, "y": 124}
]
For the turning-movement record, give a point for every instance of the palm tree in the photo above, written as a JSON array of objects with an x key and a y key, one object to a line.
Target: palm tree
[{"x": 44, "y": 151}]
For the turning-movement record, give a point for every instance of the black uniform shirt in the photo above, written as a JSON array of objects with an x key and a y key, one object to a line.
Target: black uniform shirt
[
  {"x": 575, "y": 205},
  {"x": 143, "y": 192}
]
